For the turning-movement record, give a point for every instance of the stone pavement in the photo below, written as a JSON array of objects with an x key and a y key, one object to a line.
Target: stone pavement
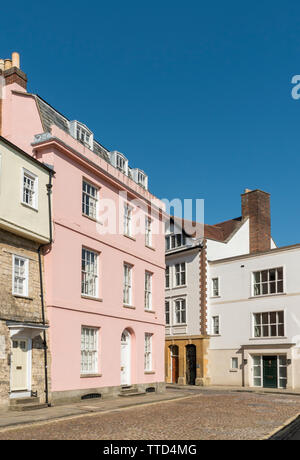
[
  {"x": 193, "y": 414},
  {"x": 11, "y": 418}
]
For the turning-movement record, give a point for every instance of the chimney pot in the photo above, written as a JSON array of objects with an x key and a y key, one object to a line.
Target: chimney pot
[
  {"x": 7, "y": 64},
  {"x": 15, "y": 59}
]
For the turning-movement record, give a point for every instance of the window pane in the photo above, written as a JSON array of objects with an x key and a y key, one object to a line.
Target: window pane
[
  {"x": 273, "y": 288},
  {"x": 273, "y": 331},
  {"x": 272, "y": 275},
  {"x": 265, "y": 288},
  {"x": 265, "y": 331},
  {"x": 282, "y": 361},
  {"x": 257, "y": 371},
  {"x": 282, "y": 371},
  {"x": 273, "y": 316},
  {"x": 256, "y": 360},
  {"x": 257, "y": 382},
  {"x": 265, "y": 318},
  {"x": 264, "y": 276},
  {"x": 280, "y": 273},
  {"x": 281, "y": 330}
]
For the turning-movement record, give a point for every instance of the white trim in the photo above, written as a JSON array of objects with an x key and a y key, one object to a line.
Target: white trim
[
  {"x": 35, "y": 179},
  {"x": 26, "y": 267}
]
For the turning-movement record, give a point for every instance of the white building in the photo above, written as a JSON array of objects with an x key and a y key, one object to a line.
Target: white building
[{"x": 211, "y": 300}]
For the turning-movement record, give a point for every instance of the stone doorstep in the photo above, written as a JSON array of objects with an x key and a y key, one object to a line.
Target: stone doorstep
[
  {"x": 131, "y": 391},
  {"x": 25, "y": 404}
]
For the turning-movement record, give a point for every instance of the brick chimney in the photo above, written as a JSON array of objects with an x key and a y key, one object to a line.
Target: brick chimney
[
  {"x": 10, "y": 70},
  {"x": 256, "y": 207}
]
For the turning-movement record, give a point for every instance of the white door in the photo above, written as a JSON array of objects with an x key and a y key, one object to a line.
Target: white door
[
  {"x": 125, "y": 358},
  {"x": 19, "y": 359}
]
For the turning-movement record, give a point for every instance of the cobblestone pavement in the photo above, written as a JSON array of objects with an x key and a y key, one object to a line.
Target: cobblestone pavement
[{"x": 202, "y": 415}]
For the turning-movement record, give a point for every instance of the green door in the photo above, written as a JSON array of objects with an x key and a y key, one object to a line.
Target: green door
[{"x": 270, "y": 371}]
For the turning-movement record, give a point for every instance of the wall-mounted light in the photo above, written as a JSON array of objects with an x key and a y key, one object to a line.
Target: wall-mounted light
[
  {"x": 245, "y": 361},
  {"x": 289, "y": 361}
]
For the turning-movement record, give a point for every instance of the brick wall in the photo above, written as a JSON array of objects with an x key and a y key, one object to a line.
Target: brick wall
[{"x": 256, "y": 207}]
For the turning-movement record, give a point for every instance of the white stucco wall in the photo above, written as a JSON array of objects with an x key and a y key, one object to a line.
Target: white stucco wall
[
  {"x": 14, "y": 215},
  {"x": 235, "y": 307}
]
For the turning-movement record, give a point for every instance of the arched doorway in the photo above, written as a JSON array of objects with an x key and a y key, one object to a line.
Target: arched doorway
[
  {"x": 190, "y": 364},
  {"x": 174, "y": 363},
  {"x": 125, "y": 358}
]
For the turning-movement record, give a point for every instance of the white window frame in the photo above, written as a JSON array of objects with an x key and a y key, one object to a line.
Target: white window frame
[
  {"x": 168, "y": 277},
  {"x": 127, "y": 284},
  {"x": 148, "y": 231},
  {"x": 268, "y": 282},
  {"x": 213, "y": 325},
  {"x": 34, "y": 178},
  {"x": 180, "y": 272},
  {"x": 168, "y": 312},
  {"x": 215, "y": 292},
  {"x": 91, "y": 275},
  {"x": 128, "y": 219},
  {"x": 173, "y": 241},
  {"x": 26, "y": 275},
  {"x": 269, "y": 324},
  {"x": 148, "y": 364},
  {"x": 92, "y": 352},
  {"x": 121, "y": 163},
  {"x": 182, "y": 310},
  {"x": 92, "y": 198},
  {"x": 148, "y": 291},
  {"x": 236, "y": 360}
]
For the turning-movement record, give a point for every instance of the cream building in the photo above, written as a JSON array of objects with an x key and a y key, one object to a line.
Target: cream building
[{"x": 25, "y": 232}]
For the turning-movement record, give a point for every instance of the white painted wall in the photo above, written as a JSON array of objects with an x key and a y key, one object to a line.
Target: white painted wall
[
  {"x": 236, "y": 305},
  {"x": 236, "y": 246}
]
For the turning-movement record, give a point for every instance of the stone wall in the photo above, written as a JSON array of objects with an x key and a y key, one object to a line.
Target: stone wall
[{"x": 23, "y": 309}]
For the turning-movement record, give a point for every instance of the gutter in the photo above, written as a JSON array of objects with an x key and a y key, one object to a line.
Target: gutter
[{"x": 41, "y": 247}]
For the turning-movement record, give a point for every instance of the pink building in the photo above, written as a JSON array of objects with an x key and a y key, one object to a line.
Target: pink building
[{"x": 104, "y": 272}]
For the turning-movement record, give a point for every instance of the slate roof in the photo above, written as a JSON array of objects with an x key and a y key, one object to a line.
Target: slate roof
[{"x": 50, "y": 116}]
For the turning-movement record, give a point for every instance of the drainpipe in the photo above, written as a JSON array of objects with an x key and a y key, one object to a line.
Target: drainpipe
[{"x": 49, "y": 192}]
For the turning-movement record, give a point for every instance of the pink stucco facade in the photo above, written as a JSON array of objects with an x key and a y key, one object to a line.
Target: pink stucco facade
[{"x": 68, "y": 310}]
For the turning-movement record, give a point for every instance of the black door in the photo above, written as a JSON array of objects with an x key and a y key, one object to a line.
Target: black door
[
  {"x": 270, "y": 371},
  {"x": 190, "y": 364}
]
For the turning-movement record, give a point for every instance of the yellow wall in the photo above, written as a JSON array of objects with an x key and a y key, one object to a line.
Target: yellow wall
[{"x": 15, "y": 216}]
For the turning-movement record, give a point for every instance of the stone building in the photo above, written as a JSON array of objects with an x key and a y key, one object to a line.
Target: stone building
[{"x": 24, "y": 235}]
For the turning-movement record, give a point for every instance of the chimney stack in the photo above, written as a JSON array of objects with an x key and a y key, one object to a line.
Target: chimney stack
[
  {"x": 256, "y": 207},
  {"x": 10, "y": 69}
]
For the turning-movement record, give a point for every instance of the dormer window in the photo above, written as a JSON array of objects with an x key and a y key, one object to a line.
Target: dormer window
[
  {"x": 121, "y": 164},
  {"x": 119, "y": 161},
  {"x": 140, "y": 178},
  {"x": 80, "y": 132}
]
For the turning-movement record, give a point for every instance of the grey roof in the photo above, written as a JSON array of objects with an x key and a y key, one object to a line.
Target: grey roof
[{"x": 50, "y": 116}]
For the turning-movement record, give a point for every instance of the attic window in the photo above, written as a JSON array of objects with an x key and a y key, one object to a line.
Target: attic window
[
  {"x": 83, "y": 135},
  {"x": 121, "y": 164},
  {"x": 141, "y": 179},
  {"x": 80, "y": 132}
]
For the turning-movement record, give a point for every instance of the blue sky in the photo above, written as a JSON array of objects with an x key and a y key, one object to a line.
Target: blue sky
[{"x": 198, "y": 94}]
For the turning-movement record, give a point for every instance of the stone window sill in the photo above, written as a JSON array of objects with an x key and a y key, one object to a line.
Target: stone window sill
[
  {"x": 150, "y": 247},
  {"x": 30, "y": 207},
  {"x": 129, "y": 306},
  {"x": 89, "y": 376},
  {"x": 130, "y": 237},
  {"x": 149, "y": 311},
  {"x": 97, "y": 299},
  {"x": 233, "y": 370},
  {"x": 266, "y": 295},
  {"x": 149, "y": 372},
  {"x": 26, "y": 297}
]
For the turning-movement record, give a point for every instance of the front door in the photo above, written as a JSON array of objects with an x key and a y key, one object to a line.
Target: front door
[
  {"x": 125, "y": 358},
  {"x": 270, "y": 371},
  {"x": 190, "y": 364},
  {"x": 19, "y": 365}
]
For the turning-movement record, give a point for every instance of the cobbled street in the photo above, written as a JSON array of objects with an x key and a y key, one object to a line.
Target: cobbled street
[{"x": 203, "y": 415}]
